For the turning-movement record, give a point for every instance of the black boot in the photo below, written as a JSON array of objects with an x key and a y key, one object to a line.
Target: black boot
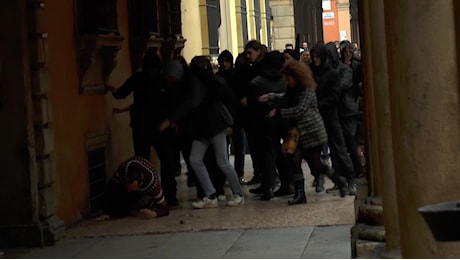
[
  {"x": 258, "y": 190},
  {"x": 299, "y": 196},
  {"x": 284, "y": 190},
  {"x": 352, "y": 186},
  {"x": 319, "y": 183},
  {"x": 339, "y": 181},
  {"x": 267, "y": 194}
]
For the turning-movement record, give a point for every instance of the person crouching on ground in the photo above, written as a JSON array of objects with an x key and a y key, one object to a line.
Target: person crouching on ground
[{"x": 134, "y": 189}]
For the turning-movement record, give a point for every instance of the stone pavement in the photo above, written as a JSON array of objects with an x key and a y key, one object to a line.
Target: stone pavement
[
  {"x": 322, "y": 242},
  {"x": 257, "y": 229}
]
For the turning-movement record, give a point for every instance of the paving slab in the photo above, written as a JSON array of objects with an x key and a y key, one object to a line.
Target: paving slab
[
  {"x": 271, "y": 243},
  {"x": 332, "y": 242}
]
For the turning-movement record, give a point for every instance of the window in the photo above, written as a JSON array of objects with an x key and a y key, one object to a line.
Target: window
[
  {"x": 213, "y": 10},
  {"x": 97, "y": 43},
  {"x": 143, "y": 16},
  {"x": 97, "y": 17},
  {"x": 97, "y": 148}
]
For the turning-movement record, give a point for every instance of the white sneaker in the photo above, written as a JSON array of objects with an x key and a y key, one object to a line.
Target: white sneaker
[
  {"x": 205, "y": 203},
  {"x": 221, "y": 198},
  {"x": 236, "y": 200}
]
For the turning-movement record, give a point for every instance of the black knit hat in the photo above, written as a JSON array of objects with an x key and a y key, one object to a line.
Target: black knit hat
[{"x": 273, "y": 59}]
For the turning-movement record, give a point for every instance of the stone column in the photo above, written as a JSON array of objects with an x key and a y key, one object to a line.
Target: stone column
[
  {"x": 368, "y": 235},
  {"x": 384, "y": 149},
  {"x": 251, "y": 20},
  {"x": 424, "y": 90},
  {"x": 28, "y": 141}
]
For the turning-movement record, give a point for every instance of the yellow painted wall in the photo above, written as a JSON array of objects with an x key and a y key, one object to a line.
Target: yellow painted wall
[
  {"x": 195, "y": 30},
  {"x": 191, "y": 28},
  {"x": 74, "y": 114},
  {"x": 228, "y": 30}
]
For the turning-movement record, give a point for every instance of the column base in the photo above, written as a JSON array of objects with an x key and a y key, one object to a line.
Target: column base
[{"x": 32, "y": 235}]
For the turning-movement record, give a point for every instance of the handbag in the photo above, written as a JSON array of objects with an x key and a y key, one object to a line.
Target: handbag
[{"x": 290, "y": 141}]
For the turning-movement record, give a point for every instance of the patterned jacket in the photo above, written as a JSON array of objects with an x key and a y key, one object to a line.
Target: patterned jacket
[
  {"x": 309, "y": 121},
  {"x": 149, "y": 195}
]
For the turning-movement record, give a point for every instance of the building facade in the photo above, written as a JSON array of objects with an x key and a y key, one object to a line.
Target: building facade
[
  {"x": 224, "y": 25},
  {"x": 61, "y": 141}
]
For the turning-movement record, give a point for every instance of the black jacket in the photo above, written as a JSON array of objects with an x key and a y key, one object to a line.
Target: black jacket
[
  {"x": 150, "y": 100},
  {"x": 329, "y": 85},
  {"x": 202, "y": 104}
]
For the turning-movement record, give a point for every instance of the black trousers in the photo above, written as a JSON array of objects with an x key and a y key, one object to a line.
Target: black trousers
[
  {"x": 350, "y": 129},
  {"x": 266, "y": 145},
  {"x": 143, "y": 140},
  {"x": 341, "y": 161}
]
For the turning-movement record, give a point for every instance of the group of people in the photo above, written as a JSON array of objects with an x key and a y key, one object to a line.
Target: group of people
[{"x": 281, "y": 107}]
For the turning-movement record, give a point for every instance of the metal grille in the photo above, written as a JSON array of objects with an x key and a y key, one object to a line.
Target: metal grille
[
  {"x": 97, "y": 168},
  {"x": 244, "y": 21},
  {"x": 213, "y": 9}
]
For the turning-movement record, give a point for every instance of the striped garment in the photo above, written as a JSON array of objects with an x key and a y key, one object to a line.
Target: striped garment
[
  {"x": 309, "y": 120},
  {"x": 149, "y": 194}
]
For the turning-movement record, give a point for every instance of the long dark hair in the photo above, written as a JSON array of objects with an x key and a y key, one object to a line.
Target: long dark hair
[{"x": 201, "y": 67}]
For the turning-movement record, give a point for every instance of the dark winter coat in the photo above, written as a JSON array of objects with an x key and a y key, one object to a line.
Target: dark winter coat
[
  {"x": 151, "y": 101},
  {"x": 347, "y": 105},
  {"x": 202, "y": 106},
  {"x": 329, "y": 86}
]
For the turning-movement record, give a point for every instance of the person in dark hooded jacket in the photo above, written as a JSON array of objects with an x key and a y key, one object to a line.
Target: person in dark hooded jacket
[
  {"x": 209, "y": 98},
  {"x": 150, "y": 106},
  {"x": 269, "y": 82},
  {"x": 328, "y": 95},
  {"x": 350, "y": 116},
  {"x": 347, "y": 110},
  {"x": 228, "y": 72}
]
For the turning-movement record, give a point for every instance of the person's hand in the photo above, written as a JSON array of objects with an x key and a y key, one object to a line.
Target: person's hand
[
  {"x": 264, "y": 98},
  {"x": 229, "y": 131},
  {"x": 271, "y": 113},
  {"x": 147, "y": 213},
  {"x": 164, "y": 125},
  {"x": 174, "y": 127},
  {"x": 102, "y": 217},
  {"x": 116, "y": 110},
  {"x": 111, "y": 88},
  {"x": 244, "y": 102}
]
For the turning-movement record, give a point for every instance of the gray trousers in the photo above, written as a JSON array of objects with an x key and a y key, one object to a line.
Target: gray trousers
[{"x": 219, "y": 144}]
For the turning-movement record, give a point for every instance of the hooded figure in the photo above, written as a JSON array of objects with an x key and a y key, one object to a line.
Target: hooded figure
[
  {"x": 270, "y": 81},
  {"x": 347, "y": 105},
  {"x": 329, "y": 84},
  {"x": 267, "y": 134},
  {"x": 328, "y": 95}
]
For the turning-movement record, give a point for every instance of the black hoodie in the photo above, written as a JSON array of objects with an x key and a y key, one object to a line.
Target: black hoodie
[
  {"x": 270, "y": 80},
  {"x": 328, "y": 80},
  {"x": 347, "y": 105}
]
